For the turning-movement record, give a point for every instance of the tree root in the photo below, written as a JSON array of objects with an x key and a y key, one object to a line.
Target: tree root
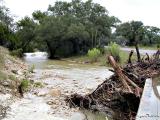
[{"x": 119, "y": 96}]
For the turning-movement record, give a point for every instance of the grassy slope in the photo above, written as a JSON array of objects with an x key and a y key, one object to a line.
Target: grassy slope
[{"x": 9, "y": 68}]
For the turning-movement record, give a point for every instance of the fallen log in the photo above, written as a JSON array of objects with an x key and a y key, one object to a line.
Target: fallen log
[
  {"x": 119, "y": 73},
  {"x": 119, "y": 96}
]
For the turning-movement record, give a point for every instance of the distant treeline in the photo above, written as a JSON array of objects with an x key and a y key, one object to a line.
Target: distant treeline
[{"x": 71, "y": 28}]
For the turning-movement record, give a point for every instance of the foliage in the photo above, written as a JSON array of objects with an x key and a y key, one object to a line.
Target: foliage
[
  {"x": 93, "y": 54},
  {"x": 12, "y": 77},
  {"x": 26, "y": 34},
  {"x": 71, "y": 28},
  {"x": 152, "y": 35},
  {"x": 7, "y": 37},
  {"x": 133, "y": 31},
  {"x": 136, "y": 32},
  {"x": 38, "y": 84},
  {"x": 25, "y": 84},
  {"x": 114, "y": 50},
  {"x": 67, "y": 28},
  {"x": 17, "y": 52}
]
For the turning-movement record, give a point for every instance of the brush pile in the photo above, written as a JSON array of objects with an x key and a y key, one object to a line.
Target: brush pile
[{"x": 119, "y": 96}]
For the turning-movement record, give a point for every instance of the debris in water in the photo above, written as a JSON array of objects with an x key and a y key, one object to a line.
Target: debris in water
[{"x": 119, "y": 96}]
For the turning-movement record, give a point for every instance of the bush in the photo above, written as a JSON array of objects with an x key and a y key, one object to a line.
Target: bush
[
  {"x": 38, "y": 84},
  {"x": 17, "y": 53},
  {"x": 93, "y": 54},
  {"x": 114, "y": 50},
  {"x": 25, "y": 84}
]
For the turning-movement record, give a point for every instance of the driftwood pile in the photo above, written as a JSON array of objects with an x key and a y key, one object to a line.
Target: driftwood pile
[{"x": 119, "y": 96}]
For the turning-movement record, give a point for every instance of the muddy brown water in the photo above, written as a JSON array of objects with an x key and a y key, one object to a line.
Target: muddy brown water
[{"x": 70, "y": 77}]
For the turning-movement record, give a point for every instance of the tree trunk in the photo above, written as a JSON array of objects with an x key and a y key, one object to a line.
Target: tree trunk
[
  {"x": 138, "y": 53},
  {"x": 130, "y": 56},
  {"x": 137, "y": 49},
  {"x": 51, "y": 51}
]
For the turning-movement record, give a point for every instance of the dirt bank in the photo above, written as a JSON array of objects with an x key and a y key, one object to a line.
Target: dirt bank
[{"x": 12, "y": 71}]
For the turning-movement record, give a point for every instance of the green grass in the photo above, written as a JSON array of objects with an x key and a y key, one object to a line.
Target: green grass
[
  {"x": 93, "y": 54},
  {"x": 102, "y": 59},
  {"x": 12, "y": 77},
  {"x": 38, "y": 84},
  {"x": 25, "y": 84}
]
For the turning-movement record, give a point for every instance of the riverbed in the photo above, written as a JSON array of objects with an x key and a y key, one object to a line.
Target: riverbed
[{"x": 59, "y": 79}]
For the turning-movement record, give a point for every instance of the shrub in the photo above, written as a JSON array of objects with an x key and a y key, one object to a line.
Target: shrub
[
  {"x": 93, "y": 54},
  {"x": 114, "y": 50},
  {"x": 25, "y": 84},
  {"x": 17, "y": 53},
  {"x": 38, "y": 84}
]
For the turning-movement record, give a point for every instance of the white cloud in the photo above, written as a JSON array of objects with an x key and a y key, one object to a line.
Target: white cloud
[{"x": 126, "y": 10}]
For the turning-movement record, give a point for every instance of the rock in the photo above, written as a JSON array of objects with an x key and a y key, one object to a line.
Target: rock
[
  {"x": 3, "y": 111},
  {"x": 55, "y": 92},
  {"x": 19, "y": 72},
  {"x": 50, "y": 102},
  {"x": 78, "y": 116},
  {"x": 76, "y": 85},
  {"x": 6, "y": 83},
  {"x": 53, "y": 102},
  {"x": 4, "y": 97},
  {"x": 14, "y": 71},
  {"x": 42, "y": 93}
]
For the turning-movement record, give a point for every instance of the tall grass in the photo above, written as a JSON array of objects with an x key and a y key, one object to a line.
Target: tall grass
[
  {"x": 25, "y": 84},
  {"x": 114, "y": 50},
  {"x": 93, "y": 54}
]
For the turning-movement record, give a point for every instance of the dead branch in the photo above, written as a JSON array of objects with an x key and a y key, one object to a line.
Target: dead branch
[{"x": 130, "y": 56}]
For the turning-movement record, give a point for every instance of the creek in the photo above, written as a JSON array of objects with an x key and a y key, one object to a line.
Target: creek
[{"x": 59, "y": 78}]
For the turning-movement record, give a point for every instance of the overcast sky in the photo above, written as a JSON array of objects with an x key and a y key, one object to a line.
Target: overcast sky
[{"x": 146, "y": 11}]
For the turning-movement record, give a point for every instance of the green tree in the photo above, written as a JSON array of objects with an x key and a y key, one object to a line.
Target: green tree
[
  {"x": 134, "y": 32},
  {"x": 7, "y": 37},
  {"x": 152, "y": 33},
  {"x": 89, "y": 23},
  {"x": 39, "y": 16},
  {"x": 26, "y": 32}
]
